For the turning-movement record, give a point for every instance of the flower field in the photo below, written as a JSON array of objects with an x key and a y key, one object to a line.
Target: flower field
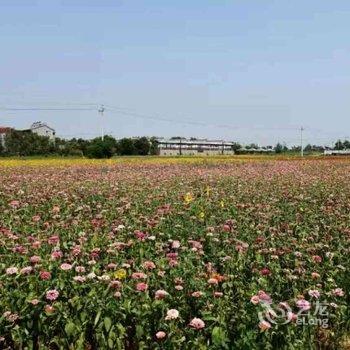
[{"x": 175, "y": 254}]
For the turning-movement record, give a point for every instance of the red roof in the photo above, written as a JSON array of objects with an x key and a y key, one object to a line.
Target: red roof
[{"x": 4, "y": 129}]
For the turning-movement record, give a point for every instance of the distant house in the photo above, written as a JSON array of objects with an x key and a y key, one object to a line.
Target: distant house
[
  {"x": 42, "y": 129},
  {"x": 333, "y": 152},
  {"x": 3, "y": 131},
  {"x": 39, "y": 128},
  {"x": 182, "y": 146}
]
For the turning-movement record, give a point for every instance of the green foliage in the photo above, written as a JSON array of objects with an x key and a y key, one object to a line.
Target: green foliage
[
  {"x": 153, "y": 146},
  {"x": 27, "y": 144},
  {"x": 236, "y": 146},
  {"x": 99, "y": 148},
  {"x": 142, "y": 146},
  {"x": 126, "y": 147}
]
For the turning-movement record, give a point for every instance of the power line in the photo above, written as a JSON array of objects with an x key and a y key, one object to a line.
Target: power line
[
  {"x": 179, "y": 121},
  {"x": 127, "y": 112},
  {"x": 47, "y": 109}
]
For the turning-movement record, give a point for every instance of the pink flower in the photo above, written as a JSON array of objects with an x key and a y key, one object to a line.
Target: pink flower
[
  {"x": 117, "y": 294},
  {"x": 36, "y": 218},
  {"x": 56, "y": 254},
  {"x": 53, "y": 240},
  {"x": 197, "y": 323},
  {"x": 226, "y": 228},
  {"x": 255, "y": 299},
  {"x": 79, "y": 279},
  {"x": 303, "y": 304},
  {"x": 197, "y": 294},
  {"x": 11, "y": 270},
  {"x": 80, "y": 269},
  {"x": 138, "y": 275},
  {"x": 52, "y": 294},
  {"x": 49, "y": 309},
  {"x": 264, "y": 297},
  {"x": 111, "y": 266},
  {"x": 56, "y": 209},
  {"x": 45, "y": 275},
  {"x": 172, "y": 314},
  {"x": 213, "y": 281},
  {"x": 338, "y": 292},
  {"x": 149, "y": 265},
  {"x": 264, "y": 325},
  {"x": 26, "y": 270},
  {"x": 291, "y": 316},
  {"x": 315, "y": 275},
  {"x": 66, "y": 267},
  {"x": 34, "y": 301},
  {"x": 317, "y": 259},
  {"x": 218, "y": 294},
  {"x": 173, "y": 263},
  {"x": 141, "y": 236},
  {"x": 265, "y": 271},
  {"x": 14, "y": 204},
  {"x": 161, "y": 294},
  {"x": 314, "y": 293},
  {"x": 141, "y": 287},
  {"x": 172, "y": 255},
  {"x": 160, "y": 335},
  {"x": 175, "y": 245},
  {"x": 35, "y": 259},
  {"x": 178, "y": 287}
]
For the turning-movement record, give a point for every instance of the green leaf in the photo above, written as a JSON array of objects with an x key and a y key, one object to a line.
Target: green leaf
[
  {"x": 69, "y": 328},
  {"x": 107, "y": 323},
  {"x": 97, "y": 318},
  {"x": 218, "y": 336}
]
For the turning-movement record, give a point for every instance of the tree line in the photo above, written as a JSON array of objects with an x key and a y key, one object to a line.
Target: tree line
[{"x": 19, "y": 143}]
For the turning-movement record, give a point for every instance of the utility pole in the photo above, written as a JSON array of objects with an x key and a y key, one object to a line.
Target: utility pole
[
  {"x": 301, "y": 142},
  {"x": 101, "y": 111}
]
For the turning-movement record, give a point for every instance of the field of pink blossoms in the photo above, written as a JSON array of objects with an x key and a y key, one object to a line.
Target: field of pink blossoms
[{"x": 249, "y": 255}]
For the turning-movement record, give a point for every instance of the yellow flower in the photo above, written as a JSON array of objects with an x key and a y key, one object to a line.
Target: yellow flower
[
  {"x": 201, "y": 215},
  {"x": 120, "y": 274},
  {"x": 188, "y": 198},
  {"x": 222, "y": 204}
]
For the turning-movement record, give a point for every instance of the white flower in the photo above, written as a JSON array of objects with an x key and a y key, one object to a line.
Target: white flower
[{"x": 172, "y": 314}]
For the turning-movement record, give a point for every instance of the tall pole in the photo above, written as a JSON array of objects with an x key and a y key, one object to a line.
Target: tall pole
[
  {"x": 100, "y": 111},
  {"x": 301, "y": 142}
]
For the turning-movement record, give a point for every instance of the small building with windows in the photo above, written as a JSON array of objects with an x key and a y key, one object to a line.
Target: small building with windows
[
  {"x": 182, "y": 146},
  {"x": 42, "y": 129}
]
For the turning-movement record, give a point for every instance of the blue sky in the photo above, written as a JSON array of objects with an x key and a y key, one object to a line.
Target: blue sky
[{"x": 249, "y": 70}]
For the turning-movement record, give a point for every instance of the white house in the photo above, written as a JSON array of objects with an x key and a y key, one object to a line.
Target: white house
[
  {"x": 332, "y": 152},
  {"x": 42, "y": 129},
  {"x": 3, "y": 131}
]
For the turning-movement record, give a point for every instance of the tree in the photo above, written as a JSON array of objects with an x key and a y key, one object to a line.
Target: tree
[
  {"x": 278, "y": 148},
  {"x": 236, "y": 146},
  {"x": 126, "y": 147},
  {"x": 27, "y": 144},
  {"x": 99, "y": 148},
  {"x": 339, "y": 145},
  {"x": 153, "y": 146},
  {"x": 142, "y": 146},
  {"x": 346, "y": 144},
  {"x": 252, "y": 146},
  {"x": 1, "y": 148}
]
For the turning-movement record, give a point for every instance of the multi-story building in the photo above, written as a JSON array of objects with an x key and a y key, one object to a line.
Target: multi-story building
[{"x": 42, "y": 129}]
